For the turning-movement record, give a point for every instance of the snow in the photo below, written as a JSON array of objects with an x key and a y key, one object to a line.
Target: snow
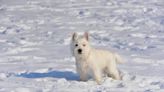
[{"x": 35, "y": 44}]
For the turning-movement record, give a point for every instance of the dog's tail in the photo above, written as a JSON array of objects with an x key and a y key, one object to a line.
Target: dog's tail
[{"x": 118, "y": 59}]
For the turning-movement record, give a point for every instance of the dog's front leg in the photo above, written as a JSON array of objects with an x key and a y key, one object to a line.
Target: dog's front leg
[
  {"x": 82, "y": 72},
  {"x": 83, "y": 76},
  {"x": 97, "y": 76}
]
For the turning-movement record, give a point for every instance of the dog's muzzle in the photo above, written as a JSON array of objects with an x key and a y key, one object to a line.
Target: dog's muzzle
[{"x": 79, "y": 51}]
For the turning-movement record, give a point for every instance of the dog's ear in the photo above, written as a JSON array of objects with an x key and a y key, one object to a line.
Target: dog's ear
[
  {"x": 74, "y": 36},
  {"x": 86, "y": 35}
]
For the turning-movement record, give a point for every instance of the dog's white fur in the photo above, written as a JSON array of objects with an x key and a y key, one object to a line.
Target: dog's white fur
[{"x": 93, "y": 62}]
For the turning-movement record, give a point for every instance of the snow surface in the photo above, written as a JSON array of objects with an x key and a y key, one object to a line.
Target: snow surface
[{"x": 35, "y": 35}]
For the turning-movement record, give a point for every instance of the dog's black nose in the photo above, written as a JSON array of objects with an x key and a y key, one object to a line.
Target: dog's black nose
[{"x": 79, "y": 51}]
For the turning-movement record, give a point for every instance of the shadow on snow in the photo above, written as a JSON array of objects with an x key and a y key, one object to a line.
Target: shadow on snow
[{"x": 68, "y": 75}]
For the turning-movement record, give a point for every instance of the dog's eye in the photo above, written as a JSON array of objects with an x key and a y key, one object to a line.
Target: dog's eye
[
  {"x": 76, "y": 45},
  {"x": 84, "y": 45}
]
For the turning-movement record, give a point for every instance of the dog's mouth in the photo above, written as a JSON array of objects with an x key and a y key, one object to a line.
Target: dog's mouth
[{"x": 79, "y": 52}]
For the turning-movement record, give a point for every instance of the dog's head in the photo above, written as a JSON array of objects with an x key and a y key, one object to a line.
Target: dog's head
[{"x": 80, "y": 45}]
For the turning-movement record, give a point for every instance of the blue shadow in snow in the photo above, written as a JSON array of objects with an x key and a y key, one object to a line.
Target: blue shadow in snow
[{"x": 54, "y": 74}]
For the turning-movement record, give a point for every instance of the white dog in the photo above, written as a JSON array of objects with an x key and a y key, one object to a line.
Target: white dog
[{"x": 93, "y": 62}]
